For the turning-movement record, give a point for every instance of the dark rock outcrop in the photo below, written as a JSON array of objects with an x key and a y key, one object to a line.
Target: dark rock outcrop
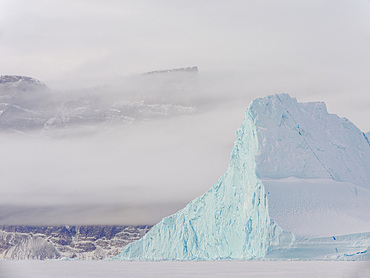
[{"x": 73, "y": 242}]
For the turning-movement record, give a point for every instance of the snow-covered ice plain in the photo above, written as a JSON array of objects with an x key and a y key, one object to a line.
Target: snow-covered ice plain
[{"x": 112, "y": 269}]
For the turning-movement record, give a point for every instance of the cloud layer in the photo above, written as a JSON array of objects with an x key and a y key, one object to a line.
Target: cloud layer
[{"x": 314, "y": 50}]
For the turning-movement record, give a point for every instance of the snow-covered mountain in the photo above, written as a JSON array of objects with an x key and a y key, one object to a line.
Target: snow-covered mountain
[
  {"x": 68, "y": 242},
  {"x": 187, "y": 69},
  {"x": 27, "y": 104},
  {"x": 297, "y": 185}
]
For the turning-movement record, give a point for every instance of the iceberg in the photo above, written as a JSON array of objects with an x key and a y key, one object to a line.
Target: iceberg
[
  {"x": 279, "y": 138},
  {"x": 231, "y": 220}
]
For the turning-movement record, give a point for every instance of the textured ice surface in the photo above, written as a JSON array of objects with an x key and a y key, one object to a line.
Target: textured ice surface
[
  {"x": 303, "y": 140},
  {"x": 315, "y": 168},
  {"x": 318, "y": 207},
  {"x": 279, "y": 138}
]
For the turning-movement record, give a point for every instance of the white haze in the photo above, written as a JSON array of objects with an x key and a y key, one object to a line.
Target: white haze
[
  {"x": 138, "y": 173},
  {"x": 144, "y": 167}
]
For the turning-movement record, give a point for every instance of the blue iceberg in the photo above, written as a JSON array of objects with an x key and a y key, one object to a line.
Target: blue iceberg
[
  {"x": 229, "y": 221},
  {"x": 316, "y": 169}
]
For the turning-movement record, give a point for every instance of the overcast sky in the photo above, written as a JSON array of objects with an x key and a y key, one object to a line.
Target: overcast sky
[
  {"x": 317, "y": 49},
  {"x": 314, "y": 50}
]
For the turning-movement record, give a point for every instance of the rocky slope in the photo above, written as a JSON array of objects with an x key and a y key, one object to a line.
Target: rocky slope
[
  {"x": 27, "y": 104},
  {"x": 68, "y": 242}
]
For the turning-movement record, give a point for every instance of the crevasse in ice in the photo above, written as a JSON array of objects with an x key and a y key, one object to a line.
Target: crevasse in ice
[{"x": 230, "y": 220}]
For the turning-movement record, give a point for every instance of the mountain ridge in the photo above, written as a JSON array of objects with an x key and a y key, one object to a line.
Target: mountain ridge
[
  {"x": 28, "y": 105},
  {"x": 66, "y": 242}
]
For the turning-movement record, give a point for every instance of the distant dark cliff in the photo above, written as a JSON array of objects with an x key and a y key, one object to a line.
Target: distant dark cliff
[
  {"x": 28, "y": 105},
  {"x": 188, "y": 69},
  {"x": 69, "y": 242}
]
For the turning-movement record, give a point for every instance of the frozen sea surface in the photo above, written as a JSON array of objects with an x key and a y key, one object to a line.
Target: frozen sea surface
[{"x": 112, "y": 269}]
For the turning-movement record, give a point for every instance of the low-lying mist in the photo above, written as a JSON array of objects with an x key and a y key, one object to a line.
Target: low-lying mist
[{"x": 136, "y": 149}]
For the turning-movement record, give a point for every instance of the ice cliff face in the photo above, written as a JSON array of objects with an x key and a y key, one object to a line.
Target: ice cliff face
[
  {"x": 303, "y": 140},
  {"x": 315, "y": 167},
  {"x": 279, "y": 138},
  {"x": 231, "y": 220}
]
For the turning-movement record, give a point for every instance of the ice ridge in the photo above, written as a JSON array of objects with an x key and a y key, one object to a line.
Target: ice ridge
[{"x": 366, "y": 138}]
